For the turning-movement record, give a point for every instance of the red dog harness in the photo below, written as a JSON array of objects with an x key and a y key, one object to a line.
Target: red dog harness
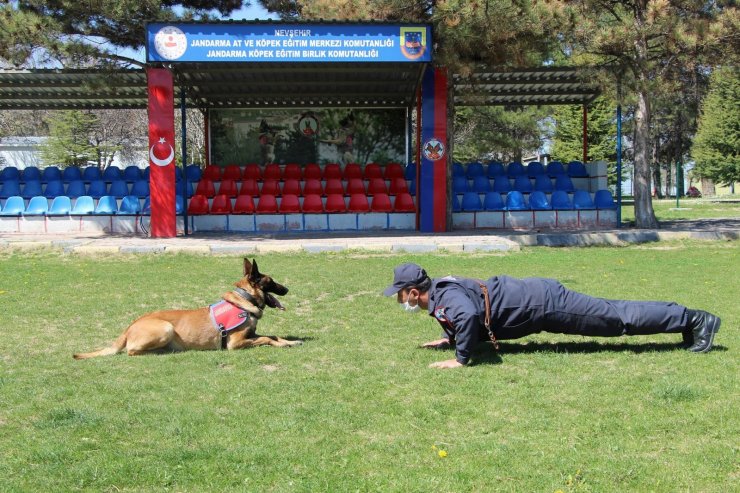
[{"x": 226, "y": 317}]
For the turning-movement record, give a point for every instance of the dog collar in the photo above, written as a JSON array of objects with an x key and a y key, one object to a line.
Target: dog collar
[{"x": 250, "y": 298}]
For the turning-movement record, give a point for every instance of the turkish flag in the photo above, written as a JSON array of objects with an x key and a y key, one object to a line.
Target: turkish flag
[{"x": 162, "y": 152}]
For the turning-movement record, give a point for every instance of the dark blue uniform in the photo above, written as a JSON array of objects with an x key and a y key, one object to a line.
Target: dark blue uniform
[{"x": 520, "y": 307}]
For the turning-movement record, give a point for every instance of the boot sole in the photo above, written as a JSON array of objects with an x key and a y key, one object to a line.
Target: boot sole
[{"x": 714, "y": 323}]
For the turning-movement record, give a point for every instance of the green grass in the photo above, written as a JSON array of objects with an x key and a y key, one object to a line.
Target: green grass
[
  {"x": 666, "y": 210},
  {"x": 356, "y": 408}
]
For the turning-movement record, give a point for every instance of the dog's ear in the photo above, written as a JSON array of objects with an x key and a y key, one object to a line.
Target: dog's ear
[
  {"x": 254, "y": 275},
  {"x": 247, "y": 267}
]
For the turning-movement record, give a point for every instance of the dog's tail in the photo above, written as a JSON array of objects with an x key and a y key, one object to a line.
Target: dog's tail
[{"x": 115, "y": 348}]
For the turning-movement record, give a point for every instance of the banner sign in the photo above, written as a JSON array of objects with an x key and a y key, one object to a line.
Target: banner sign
[
  {"x": 161, "y": 152},
  {"x": 196, "y": 42}
]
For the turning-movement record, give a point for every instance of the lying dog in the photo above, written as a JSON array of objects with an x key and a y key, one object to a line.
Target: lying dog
[{"x": 229, "y": 324}]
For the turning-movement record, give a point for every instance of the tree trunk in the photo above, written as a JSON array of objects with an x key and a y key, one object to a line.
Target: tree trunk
[
  {"x": 707, "y": 187},
  {"x": 644, "y": 214}
]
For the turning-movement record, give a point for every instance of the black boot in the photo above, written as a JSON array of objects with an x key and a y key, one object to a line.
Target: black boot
[{"x": 702, "y": 326}]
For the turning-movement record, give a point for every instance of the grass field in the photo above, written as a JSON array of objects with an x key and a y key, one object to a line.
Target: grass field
[
  {"x": 356, "y": 408},
  {"x": 666, "y": 210}
]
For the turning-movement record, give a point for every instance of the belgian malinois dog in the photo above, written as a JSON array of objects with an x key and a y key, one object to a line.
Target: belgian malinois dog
[{"x": 229, "y": 324}]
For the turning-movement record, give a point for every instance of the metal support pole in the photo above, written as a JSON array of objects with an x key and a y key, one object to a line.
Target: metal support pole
[
  {"x": 585, "y": 133},
  {"x": 619, "y": 152}
]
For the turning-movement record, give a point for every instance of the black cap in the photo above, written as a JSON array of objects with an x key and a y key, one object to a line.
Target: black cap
[{"x": 405, "y": 275}]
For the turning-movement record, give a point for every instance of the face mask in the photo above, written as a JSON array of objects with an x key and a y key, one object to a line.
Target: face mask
[{"x": 408, "y": 308}]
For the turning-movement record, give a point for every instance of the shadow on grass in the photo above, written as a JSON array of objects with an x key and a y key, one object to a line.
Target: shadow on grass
[{"x": 485, "y": 354}]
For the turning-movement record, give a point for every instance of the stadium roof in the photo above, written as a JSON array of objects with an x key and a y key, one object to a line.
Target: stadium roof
[{"x": 259, "y": 85}]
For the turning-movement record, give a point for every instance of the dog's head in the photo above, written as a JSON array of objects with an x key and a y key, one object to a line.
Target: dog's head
[{"x": 261, "y": 285}]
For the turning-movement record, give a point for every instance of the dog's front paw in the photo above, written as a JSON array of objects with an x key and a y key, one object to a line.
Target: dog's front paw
[{"x": 297, "y": 342}]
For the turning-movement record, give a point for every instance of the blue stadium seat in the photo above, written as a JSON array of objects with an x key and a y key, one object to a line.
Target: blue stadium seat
[
  {"x": 91, "y": 173},
  {"x": 495, "y": 169},
  {"x": 515, "y": 201},
  {"x": 140, "y": 189},
  {"x": 184, "y": 187},
  {"x": 83, "y": 205},
  {"x": 475, "y": 169},
  {"x": 481, "y": 184},
  {"x": 97, "y": 188},
  {"x": 71, "y": 173},
  {"x": 493, "y": 202},
  {"x": 106, "y": 205},
  {"x": 37, "y": 206},
  {"x": 515, "y": 168},
  {"x": 76, "y": 188},
  {"x": 130, "y": 205},
  {"x": 582, "y": 200},
  {"x": 31, "y": 173},
  {"x": 31, "y": 189},
  {"x": 51, "y": 173},
  {"x": 178, "y": 173},
  {"x": 10, "y": 187},
  {"x": 457, "y": 170},
  {"x": 54, "y": 188},
  {"x": 576, "y": 169},
  {"x": 410, "y": 172},
  {"x": 118, "y": 188},
  {"x": 146, "y": 209},
  {"x": 14, "y": 206},
  {"x": 603, "y": 200},
  {"x": 522, "y": 183},
  {"x": 543, "y": 183},
  {"x": 179, "y": 205},
  {"x": 459, "y": 184},
  {"x": 560, "y": 200},
  {"x": 564, "y": 183},
  {"x": 10, "y": 173},
  {"x": 60, "y": 206},
  {"x": 145, "y": 174},
  {"x": 555, "y": 168},
  {"x": 455, "y": 203},
  {"x": 192, "y": 173},
  {"x": 501, "y": 184},
  {"x": 538, "y": 201},
  {"x": 112, "y": 173},
  {"x": 133, "y": 173},
  {"x": 535, "y": 168},
  {"x": 412, "y": 187},
  {"x": 471, "y": 202}
]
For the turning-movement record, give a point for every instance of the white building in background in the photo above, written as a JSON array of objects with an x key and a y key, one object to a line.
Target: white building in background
[{"x": 22, "y": 152}]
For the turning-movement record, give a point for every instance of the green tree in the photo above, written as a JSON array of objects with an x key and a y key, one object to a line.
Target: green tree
[
  {"x": 77, "y": 33},
  {"x": 716, "y": 148},
  {"x": 567, "y": 142},
  {"x": 68, "y": 143},
  {"x": 648, "y": 44}
]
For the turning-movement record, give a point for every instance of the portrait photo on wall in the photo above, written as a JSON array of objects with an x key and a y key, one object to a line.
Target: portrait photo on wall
[{"x": 333, "y": 135}]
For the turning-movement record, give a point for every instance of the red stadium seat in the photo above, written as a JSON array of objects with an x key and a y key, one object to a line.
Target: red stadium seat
[
  {"x": 355, "y": 185},
  {"x": 372, "y": 170},
  {"x": 205, "y": 187},
  {"x": 333, "y": 186},
  {"x": 398, "y": 185},
  {"x": 249, "y": 187},
  {"x": 404, "y": 203},
  {"x": 228, "y": 187},
  {"x": 221, "y": 205},
  {"x": 312, "y": 186},
  {"x": 291, "y": 186},
  {"x": 253, "y": 171},
  {"x": 292, "y": 171},
  {"x": 335, "y": 203},
  {"x": 267, "y": 204},
  {"x": 272, "y": 172},
  {"x": 198, "y": 205},
  {"x": 312, "y": 171},
  {"x": 393, "y": 170},
  {"x": 289, "y": 204},
  {"x": 352, "y": 170},
  {"x": 358, "y": 203},
  {"x": 270, "y": 187},
  {"x": 244, "y": 205},
  {"x": 212, "y": 172},
  {"x": 381, "y": 203},
  {"x": 232, "y": 172},
  {"x": 312, "y": 203},
  {"x": 332, "y": 170},
  {"x": 377, "y": 185}
]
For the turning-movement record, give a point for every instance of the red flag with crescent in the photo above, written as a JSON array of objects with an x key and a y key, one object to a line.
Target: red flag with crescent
[{"x": 162, "y": 152}]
